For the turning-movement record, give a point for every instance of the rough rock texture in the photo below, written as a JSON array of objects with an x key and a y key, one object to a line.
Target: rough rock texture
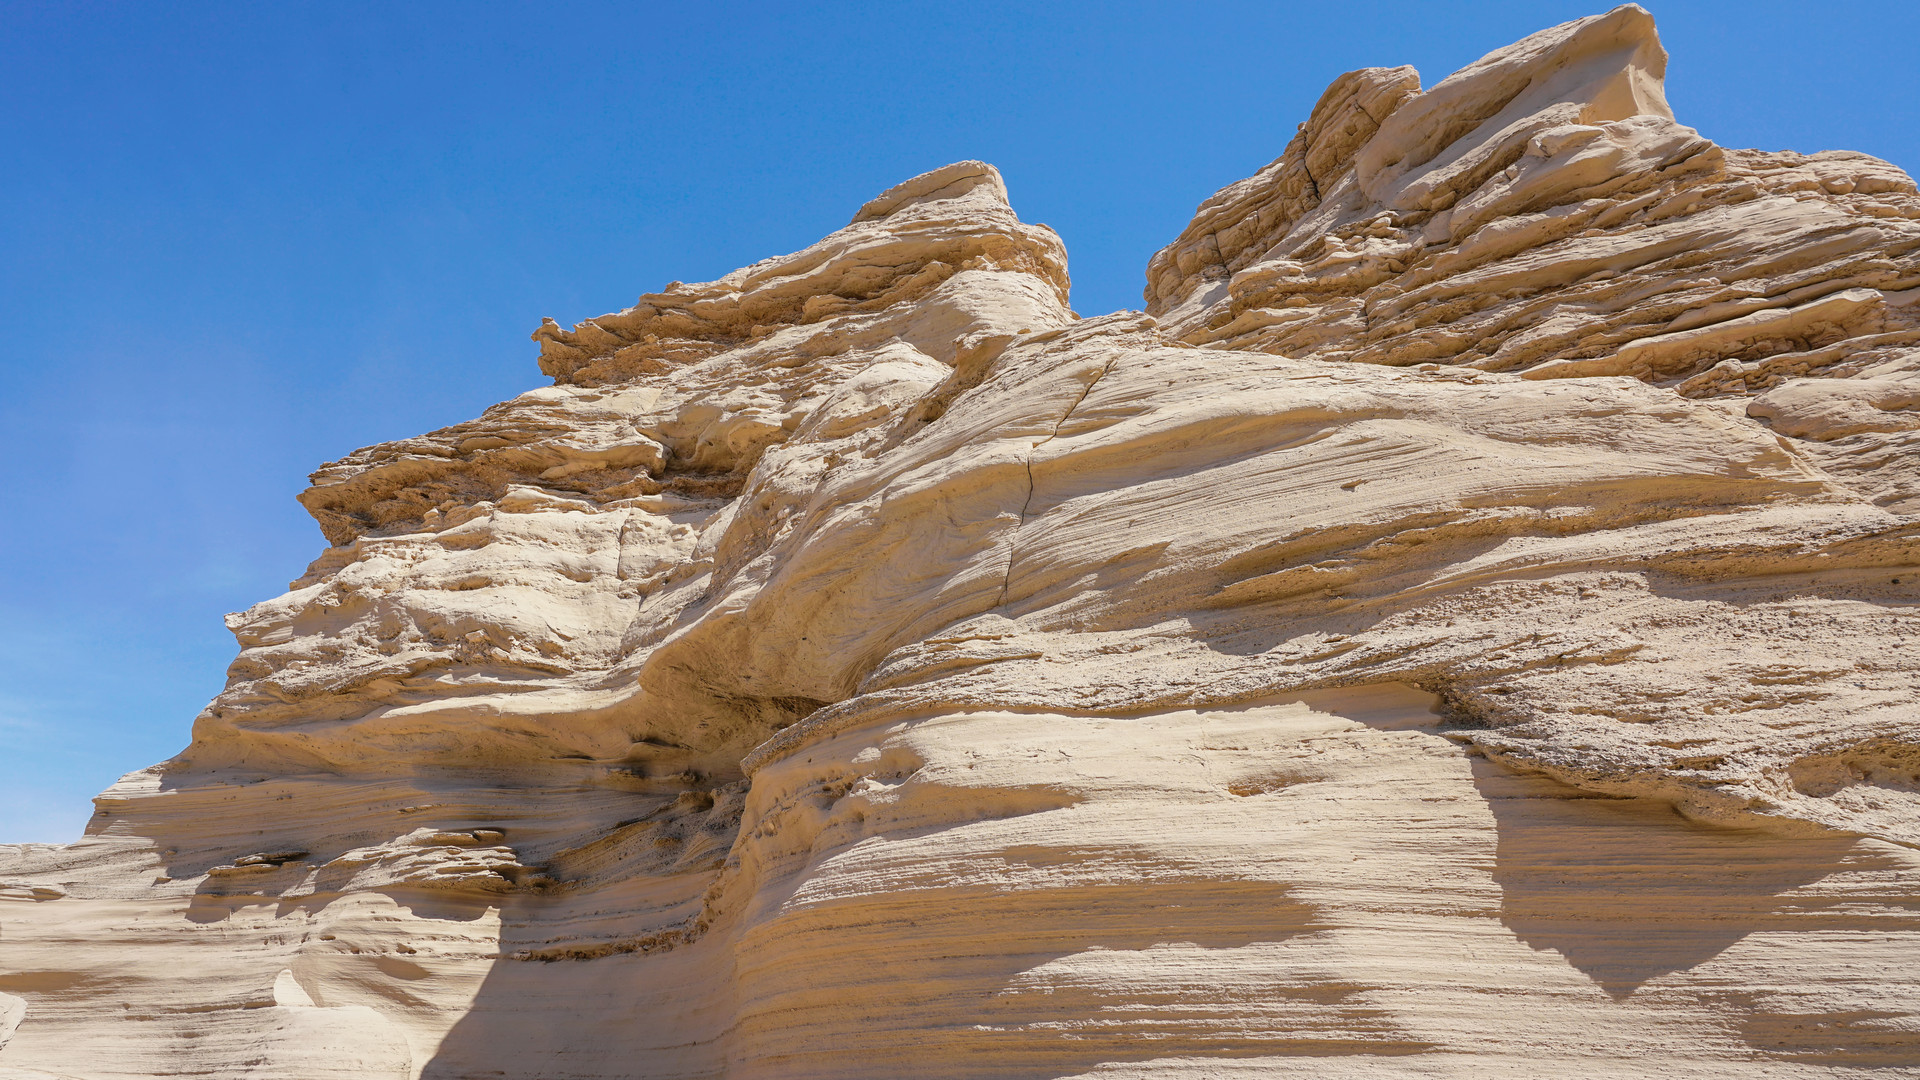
[{"x": 1465, "y": 626}]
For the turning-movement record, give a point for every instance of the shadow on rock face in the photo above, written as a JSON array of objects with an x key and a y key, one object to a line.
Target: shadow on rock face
[
  {"x": 648, "y": 1011},
  {"x": 1627, "y": 890},
  {"x": 983, "y": 980}
]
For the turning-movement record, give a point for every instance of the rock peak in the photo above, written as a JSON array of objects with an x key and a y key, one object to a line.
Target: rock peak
[
  {"x": 897, "y": 249},
  {"x": 1589, "y": 71},
  {"x": 1551, "y": 171},
  {"x": 938, "y": 185}
]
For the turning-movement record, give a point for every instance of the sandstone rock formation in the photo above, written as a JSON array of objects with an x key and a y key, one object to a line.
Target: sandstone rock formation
[{"x": 1465, "y": 626}]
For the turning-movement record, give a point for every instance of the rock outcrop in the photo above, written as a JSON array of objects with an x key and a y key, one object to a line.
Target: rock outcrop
[{"x": 1464, "y": 626}]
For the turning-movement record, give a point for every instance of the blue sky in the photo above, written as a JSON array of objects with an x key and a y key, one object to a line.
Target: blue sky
[{"x": 239, "y": 240}]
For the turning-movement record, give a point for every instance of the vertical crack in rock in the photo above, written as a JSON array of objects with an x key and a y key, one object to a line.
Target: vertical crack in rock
[{"x": 1027, "y": 502}]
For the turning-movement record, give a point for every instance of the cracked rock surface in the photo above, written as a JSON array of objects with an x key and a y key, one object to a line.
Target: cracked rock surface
[{"x": 1468, "y": 624}]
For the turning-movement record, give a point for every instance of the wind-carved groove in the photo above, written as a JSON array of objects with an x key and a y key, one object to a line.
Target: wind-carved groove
[{"x": 1013, "y": 544}]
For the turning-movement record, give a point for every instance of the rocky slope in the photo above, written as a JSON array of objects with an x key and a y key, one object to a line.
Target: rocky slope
[{"x": 1464, "y": 626}]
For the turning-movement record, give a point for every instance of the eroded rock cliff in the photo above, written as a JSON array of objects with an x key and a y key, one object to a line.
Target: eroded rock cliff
[{"x": 1464, "y": 626}]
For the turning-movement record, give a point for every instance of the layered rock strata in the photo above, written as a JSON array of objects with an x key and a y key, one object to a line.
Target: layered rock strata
[{"x": 1464, "y": 626}]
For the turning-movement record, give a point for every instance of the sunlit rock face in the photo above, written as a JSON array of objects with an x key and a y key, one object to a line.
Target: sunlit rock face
[{"x": 1465, "y": 626}]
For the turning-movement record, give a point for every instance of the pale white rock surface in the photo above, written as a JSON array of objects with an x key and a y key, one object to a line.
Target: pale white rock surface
[{"x": 1465, "y": 626}]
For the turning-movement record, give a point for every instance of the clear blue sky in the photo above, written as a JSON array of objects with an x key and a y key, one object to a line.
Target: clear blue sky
[{"x": 240, "y": 240}]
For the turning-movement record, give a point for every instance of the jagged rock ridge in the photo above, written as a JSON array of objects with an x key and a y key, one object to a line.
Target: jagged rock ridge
[{"x": 1464, "y": 626}]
